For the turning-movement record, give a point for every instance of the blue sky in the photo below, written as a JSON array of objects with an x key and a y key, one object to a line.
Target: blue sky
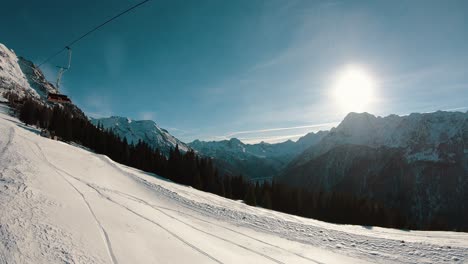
[{"x": 255, "y": 70}]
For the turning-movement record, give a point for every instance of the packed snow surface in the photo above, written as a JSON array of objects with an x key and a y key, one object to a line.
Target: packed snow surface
[{"x": 63, "y": 204}]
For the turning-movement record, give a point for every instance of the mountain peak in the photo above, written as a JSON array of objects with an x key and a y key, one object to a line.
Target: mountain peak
[
  {"x": 358, "y": 117},
  {"x": 121, "y": 119},
  {"x": 235, "y": 140},
  {"x": 145, "y": 130}
]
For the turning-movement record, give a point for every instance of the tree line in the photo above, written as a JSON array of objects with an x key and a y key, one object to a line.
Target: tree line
[{"x": 191, "y": 169}]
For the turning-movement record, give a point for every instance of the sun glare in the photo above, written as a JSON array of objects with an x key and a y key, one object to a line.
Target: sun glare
[{"x": 354, "y": 89}]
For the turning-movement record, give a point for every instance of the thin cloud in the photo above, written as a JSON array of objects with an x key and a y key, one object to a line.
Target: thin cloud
[
  {"x": 229, "y": 135},
  {"x": 456, "y": 109},
  {"x": 271, "y": 135},
  {"x": 272, "y": 139}
]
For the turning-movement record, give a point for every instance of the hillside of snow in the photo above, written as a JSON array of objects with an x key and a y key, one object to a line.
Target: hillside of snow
[
  {"x": 145, "y": 130},
  {"x": 64, "y": 204}
]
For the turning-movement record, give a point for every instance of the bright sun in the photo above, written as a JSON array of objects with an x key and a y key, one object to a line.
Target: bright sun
[{"x": 354, "y": 89}]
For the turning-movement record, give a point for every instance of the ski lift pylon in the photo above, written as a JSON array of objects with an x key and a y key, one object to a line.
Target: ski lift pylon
[
  {"x": 57, "y": 97},
  {"x": 63, "y": 69}
]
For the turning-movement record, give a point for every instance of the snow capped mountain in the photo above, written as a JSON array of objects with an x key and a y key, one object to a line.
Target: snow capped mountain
[
  {"x": 21, "y": 76},
  {"x": 425, "y": 137},
  {"x": 145, "y": 130},
  {"x": 260, "y": 150},
  {"x": 254, "y": 160},
  {"x": 417, "y": 163}
]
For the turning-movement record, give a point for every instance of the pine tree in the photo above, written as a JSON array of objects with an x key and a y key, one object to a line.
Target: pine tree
[
  {"x": 266, "y": 200},
  {"x": 197, "y": 182},
  {"x": 250, "y": 196},
  {"x": 26, "y": 112}
]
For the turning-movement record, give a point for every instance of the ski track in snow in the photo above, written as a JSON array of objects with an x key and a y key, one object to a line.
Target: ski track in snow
[
  {"x": 104, "y": 233},
  {"x": 60, "y": 171},
  {"x": 11, "y": 133},
  {"x": 160, "y": 209},
  {"x": 162, "y": 227},
  {"x": 147, "y": 219},
  {"x": 224, "y": 239},
  {"x": 20, "y": 208},
  {"x": 193, "y": 227},
  {"x": 240, "y": 233},
  {"x": 29, "y": 235}
]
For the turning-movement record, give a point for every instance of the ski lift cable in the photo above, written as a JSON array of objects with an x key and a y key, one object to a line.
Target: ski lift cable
[{"x": 91, "y": 31}]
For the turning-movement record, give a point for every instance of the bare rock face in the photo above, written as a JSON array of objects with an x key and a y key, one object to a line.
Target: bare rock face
[{"x": 36, "y": 78}]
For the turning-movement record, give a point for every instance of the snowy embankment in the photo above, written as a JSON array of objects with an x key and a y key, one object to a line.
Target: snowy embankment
[{"x": 61, "y": 203}]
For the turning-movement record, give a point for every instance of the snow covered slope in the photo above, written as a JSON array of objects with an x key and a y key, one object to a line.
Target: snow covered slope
[
  {"x": 63, "y": 204},
  {"x": 254, "y": 160},
  {"x": 21, "y": 76},
  {"x": 145, "y": 130}
]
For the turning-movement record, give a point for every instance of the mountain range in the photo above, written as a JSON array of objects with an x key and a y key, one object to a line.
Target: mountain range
[
  {"x": 417, "y": 163},
  {"x": 232, "y": 157},
  {"x": 262, "y": 160}
]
